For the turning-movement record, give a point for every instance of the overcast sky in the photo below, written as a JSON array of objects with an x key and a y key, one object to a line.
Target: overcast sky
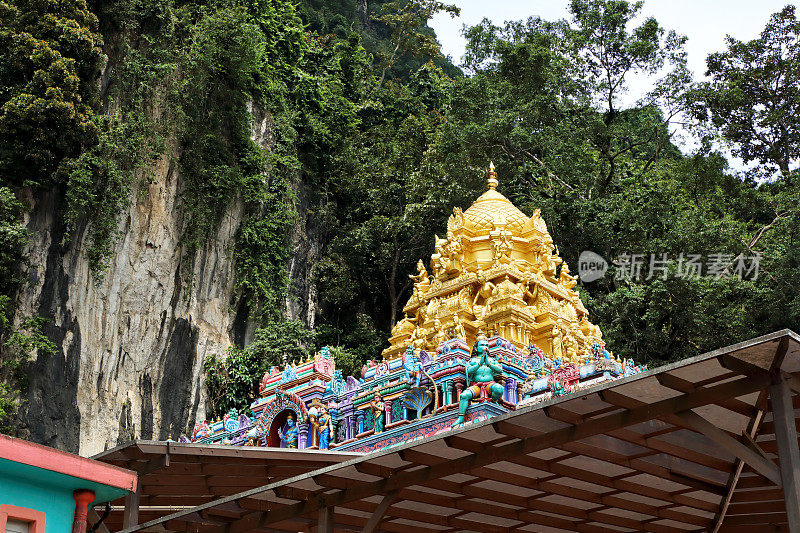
[{"x": 704, "y": 22}]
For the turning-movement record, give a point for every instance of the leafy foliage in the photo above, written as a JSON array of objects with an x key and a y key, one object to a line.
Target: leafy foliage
[
  {"x": 50, "y": 61},
  {"x": 754, "y": 94},
  {"x": 17, "y": 344},
  {"x": 233, "y": 380}
]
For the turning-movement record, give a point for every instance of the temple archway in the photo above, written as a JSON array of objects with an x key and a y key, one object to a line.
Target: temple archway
[{"x": 275, "y": 413}]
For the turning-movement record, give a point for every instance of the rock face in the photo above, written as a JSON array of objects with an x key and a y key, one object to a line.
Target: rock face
[{"x": 131, "y": 345}]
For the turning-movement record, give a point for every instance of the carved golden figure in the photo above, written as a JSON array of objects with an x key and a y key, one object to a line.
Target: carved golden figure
[{"x": 458, "y": 329}]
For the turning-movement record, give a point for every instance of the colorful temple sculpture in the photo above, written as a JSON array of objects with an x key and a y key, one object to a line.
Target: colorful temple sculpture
[{"x": 495, "y": 325}]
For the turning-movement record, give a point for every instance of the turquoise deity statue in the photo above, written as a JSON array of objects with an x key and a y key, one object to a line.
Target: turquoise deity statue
[
  {"x": 289, "y": 437},
  {"x": 481, "y": 371}
]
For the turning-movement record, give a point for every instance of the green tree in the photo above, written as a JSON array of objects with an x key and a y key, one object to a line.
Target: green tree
[
  {"x": 610, "y": 54},
  {"x": 607, "y": 178},
  {"x": 49, "y": 66},
  {"x": 753, "y": 96},
  {"x": 233, "y": 380},
  {"x": 406, "y": 21}
]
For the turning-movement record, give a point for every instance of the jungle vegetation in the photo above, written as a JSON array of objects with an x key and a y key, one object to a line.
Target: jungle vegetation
[{"x": 385, "y": 135}]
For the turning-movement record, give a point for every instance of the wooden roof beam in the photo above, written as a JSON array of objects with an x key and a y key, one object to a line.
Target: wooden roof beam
[
  {"x": 763, "y": 466},
  {"x": 736, "y": 365}
]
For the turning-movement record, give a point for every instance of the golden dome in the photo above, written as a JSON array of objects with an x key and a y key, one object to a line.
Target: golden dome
[
  {"x": 496, "y": 272},
  {"x": 493, "y": 209}
]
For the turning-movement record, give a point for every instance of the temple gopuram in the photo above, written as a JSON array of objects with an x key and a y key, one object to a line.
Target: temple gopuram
[{"x": 495, "y": 324}]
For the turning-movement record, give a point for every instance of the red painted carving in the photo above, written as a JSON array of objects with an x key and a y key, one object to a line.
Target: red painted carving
[
  {"x": 568, "y": 375},
  {"x": 324, "y": 366}
]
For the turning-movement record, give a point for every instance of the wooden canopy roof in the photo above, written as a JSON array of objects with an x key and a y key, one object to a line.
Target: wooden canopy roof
[
  {"x": 705, "y": 444},
  {"x": 174, "y": 476}
]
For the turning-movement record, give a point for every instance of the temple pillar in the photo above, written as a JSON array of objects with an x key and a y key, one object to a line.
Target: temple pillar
[
  {"x": 788, "y": 454},
  {"x": 360, "y": 418},
  {"x": 388, "y": 405},
  {"x": 345, "y": 418},
  {"x": 353, "y": 430},
  {"x": 511, "y": 390},
  {"x": 302, "y": 435}
]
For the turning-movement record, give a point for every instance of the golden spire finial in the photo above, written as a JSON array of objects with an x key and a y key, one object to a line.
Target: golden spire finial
[{"x": 491, "y": 176}]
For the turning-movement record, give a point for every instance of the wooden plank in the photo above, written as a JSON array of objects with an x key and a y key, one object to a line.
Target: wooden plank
[
  {"x": 597, "y": 498},
  {"x": 131, "y": 513},
  {"x": 751, "y": 443},
  {"x": 753, "y": 426},
  {"x": 377, "y": 514},
  {"x": 682, "y": 385},
  {"x": 325, "y": 520},
  {"x": 763, "y": 466},
  {"x": 788, "y": 453},
  {"x": 151, "y": 465},
  {"x": 792, "y": 381}
]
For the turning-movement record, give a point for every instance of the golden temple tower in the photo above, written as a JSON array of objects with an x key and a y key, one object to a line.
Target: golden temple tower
[{"x": 495, "y": 271}]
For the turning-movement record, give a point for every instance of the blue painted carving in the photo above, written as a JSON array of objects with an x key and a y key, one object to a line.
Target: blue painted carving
[
  {"x": 417, "y": 399},
  {"x": 290, "y": 374},
  {"x": 325, "y": 353},
  {"x": 535, "y": 358},
  {"x": 425, "y": 358},
  {"x": 337, "y": 385}
]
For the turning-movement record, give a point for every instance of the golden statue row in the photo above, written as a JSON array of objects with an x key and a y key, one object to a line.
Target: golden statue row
[{"x": 497, "y": 271}]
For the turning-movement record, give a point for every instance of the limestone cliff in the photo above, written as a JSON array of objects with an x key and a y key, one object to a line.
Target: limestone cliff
[{"x": 131, "y": 346}]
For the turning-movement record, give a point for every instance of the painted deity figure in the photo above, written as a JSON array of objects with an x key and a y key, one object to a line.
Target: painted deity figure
[
  {"x": 485, "y": 290},
  {"x": 313, "y": 428},
  {"x": 289, "y": 437},
  {"x": 565, "y": 279},
  {"x": 558, "y": 339},
  {"x": 325, "y": 428},
  {"x": 481, "y": 371},
  {"x": 413, "y": 366},
  {"x": 378, "y": 408},
  {"x": 571, "y": 349}
]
